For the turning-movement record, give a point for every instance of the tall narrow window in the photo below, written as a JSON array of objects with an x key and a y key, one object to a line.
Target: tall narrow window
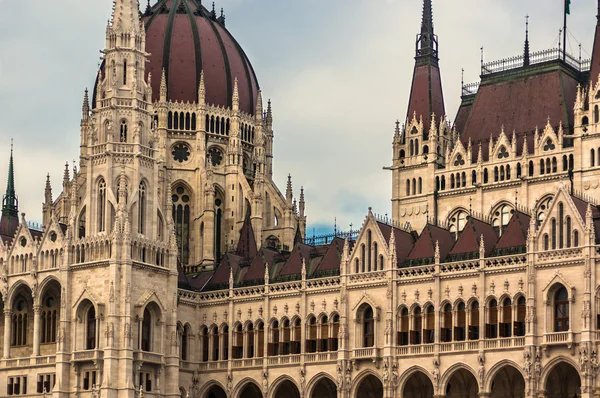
[
  {"x": 369, "y": 251},
  {"x": 125, "y": 72},
  {"x": 592, "y": 157},
  {"x": 561, "y": 310},
  {"x": 461, "y": 318},
  {"x": 333, "y": 339},
  {"x": 491, "y": 328},
  {"x": 506, "y": 324},
  {"x": 415, "y": 333},
  {"x": 368, "y": 328},
  {"x": 181, "y": 216},
  {"x": 447, "y": 324},
  {"x": 474, "y": 323},
  {"x": 102, "y": 206},
  {"x": 146, "y": 331},
  {"x": 311, "y": 340},
  {"x": 553, "y": 227},
  {"x": 429, "y": 332},
  {"x": 286, "y": 331},
  {"x": 323, "y": 343},
  {"x": 568, "y": 231},
  {"x": 123, "y": 132},
  {"x": 142, "y": 208},
  {"x": 403, "y": 329},
  {"x": 91, "y": 329},
  {"x": 519, "y": 329}
]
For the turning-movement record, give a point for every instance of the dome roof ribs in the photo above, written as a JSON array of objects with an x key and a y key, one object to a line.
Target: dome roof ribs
[
  {"x": 197, "y": 45},
  {"x": 227, "y": 65},
  {"x": 168, "y": 38}
]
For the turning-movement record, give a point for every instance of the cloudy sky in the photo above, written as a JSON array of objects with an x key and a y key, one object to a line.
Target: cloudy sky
[{"x": 338, "y": 73}]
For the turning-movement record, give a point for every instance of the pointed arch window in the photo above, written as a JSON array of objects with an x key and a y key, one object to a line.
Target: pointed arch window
[
  {"x": 461, "y": 320},
  {"x": 123, "y": 132},
  {"x": 49, "y": 320},
  {"x": 506, "y": 324},
  {"x": 491, "y": 327},
  {"x": 181, "y": 216},
  {"x": 446, "y": 324},
  {"x": 429, "y": 331},
  {"x": 20, "y": 321},
  {"x": 368, "y": 327},
  {"x": 102, "y": 206},
  {"x": 520, "y": 321},
  {"x": 592, "y": 157},
  {"x": 561, "y": 225},
  {"x": 146, "y": 343},
  {"x": 416, "y": 332},
  {"x": 596, "y": 114},
  {"x": 403, "y": 329},
  {"x": 501, "y": 218},
  {"x": 561, "y": 310},
  {"x": 142, "y": 208},
  {"x": 91, "y": 329},
  {"x": 457, "y": 223},
  {"x": 474, "y": 322},
  {"x": 125, "y": 72}
]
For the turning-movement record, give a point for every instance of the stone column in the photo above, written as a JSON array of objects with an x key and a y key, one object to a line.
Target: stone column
[
  {"x": 7, "y": 332},
  {"x": 36, "y": 330}
]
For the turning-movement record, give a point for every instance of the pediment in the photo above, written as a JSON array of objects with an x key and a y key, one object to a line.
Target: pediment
[
  {"x": 87, "y": 294},
  {"x": 149, "y": 296},
  {"x": 558, "y": 277}
]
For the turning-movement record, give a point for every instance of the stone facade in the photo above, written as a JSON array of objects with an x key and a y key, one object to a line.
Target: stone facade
[{"x": 148, "y": 280}]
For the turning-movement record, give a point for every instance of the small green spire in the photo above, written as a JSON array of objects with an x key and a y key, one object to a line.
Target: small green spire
[{"x": 10, "y": 203}]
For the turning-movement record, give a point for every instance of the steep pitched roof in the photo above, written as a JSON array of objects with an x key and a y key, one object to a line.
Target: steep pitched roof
[
  {"x": 520, "y": 103},
  {"x": 404, "y": 240},
  {"x": 332, "y": 258},
  {"x": 468, "y": 242},
  {"x": 425, "y": 246},
  {"x": 515, "y": 234},
  {"x": 595, "y": 67},
  {"x": 247, "y": 244}
]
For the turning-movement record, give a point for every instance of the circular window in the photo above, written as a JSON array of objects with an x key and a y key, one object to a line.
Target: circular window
[
  {"x": 181, "y": 153},
  {"x": 218, "y": 202},
  {"x": 23, "y": 241},
  {"x": 185, "y": 198},
  {"x": 180, "y": 190},
  {"x": 20, "y": 305},
  {"x": 50, "y": 302},
  {"x": 175, "y": 198},
  {"x": 215, "y": 156},
  {"x": 53, "y": 236}
]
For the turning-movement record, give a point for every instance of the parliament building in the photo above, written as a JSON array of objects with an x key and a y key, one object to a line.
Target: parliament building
[{"x": 171, "y": 265}]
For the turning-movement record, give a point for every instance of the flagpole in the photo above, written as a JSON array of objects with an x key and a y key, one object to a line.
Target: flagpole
[{"x": 565, "y": 34}]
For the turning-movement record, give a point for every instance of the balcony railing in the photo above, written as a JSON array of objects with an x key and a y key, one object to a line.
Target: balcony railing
[
  {"x": 148, "y": 357},
  {"x": 87, "y": 355},
  {"x": 366, "y": 353},
  {"x": 557, "y": 338}
]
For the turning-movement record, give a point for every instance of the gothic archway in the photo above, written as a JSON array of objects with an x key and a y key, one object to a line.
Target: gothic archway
[
  {"x": 286, "y": 389},
  {"x": 563, "y": 382},
  {"x": 418, "y": 385},
  {"x": 369, "y": 387},
  {"x": 462, "y": 384},
  {"x": 250, "y": 390},
  {"x": 216, "y": 392},
  {"x": 325, "y": 388},
  {"x": 508, "y": 382}
]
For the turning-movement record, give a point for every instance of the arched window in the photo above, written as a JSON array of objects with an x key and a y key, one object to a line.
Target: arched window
[
  {"x": 237, "y": 350},
  {"x": 491, "y": 327},
  {"x": 496, "y": 174},
  {"x": 561, "y": 225},
  {"x": 204, "y": 344},
  {"x": 357, "y": 266},
  {"x": 546, "y": 242},
  {"x": 363, "y": 258},
  {"x": 461, "y": 320},
  {"x": 333, "y": 344},
  {"x": 565, "y": 163},
  {"x": 502, "y": 175},
  {"x": 181, "y": 216},
  {"x": 575, "y": 238},
  {"x": 553, "y": 233},
  {"x": 260, "y": 339},
  {"x": 416, "y": 147},
  {"x": 417, "y": 326},
  {"x": 592, "y": 157},
  {"x": 91, "y": 329},
  {"x": 375, "y": 256},
  {"x": 473, "y": 177},
  {"x": 506, "y": 324},
  {"x": 273, "y": 346},
  {"x": 554, "y": 165},
  {"x": 542, "y": 167},
  {"x": 369, "y": 251},
  {"x": 429, "y": 332},
  {"x": 596, "y": 114},
  {"x": 250, "y": 341},
  {"x": 170, "y": 120},
  {"x": 474, "y": 322},
  {"x": 519, "y": 172},
  {"x": 501, "y": 217},
  {"x": 508, "y": 171},
  {"x": 548, "y": 169},
  {"x": 368, "y": 327},
  {"x": 452, "y": 181},
  {"x": 323, "y": 343},
  {"x": 311, "y": 335},
  {"x": 443, "y": 183},
  {"x": 571, "y": 162},
  {"x": 411, "y": 150},
  {"x": 142, "y": 208},
  {"x": 123, "y": 132},
  {"x": 561, "y": 310},
  {"x": 286, "y": 334},
  {"x": 146, "y": 340},
  {"x": 184, "y": 343},
  {"x": 458, "y": 180},
  {"x": 420, "y": 185},
  {"x": 403, "y": 329},
  {"x": 20, "y": 322},
  {"x": 530, "y": 174},
  {"x": 485, "y": 176},
  {"x": 542, "y": 209},
  {"x": 457, "y": 223},
  {"x": 407, "y": 187},
  {"x": 447, "y": 324},
  {"x": 125, "y": 72},
  {"x": 102, "y": 206},
  {"x": 402, "y": 154},
  {"x": 214, "y": 336},
  {"x": 414, "y": 186},
  {"x": 49, "y": 317},
  {"x": 520, "y": 321}
]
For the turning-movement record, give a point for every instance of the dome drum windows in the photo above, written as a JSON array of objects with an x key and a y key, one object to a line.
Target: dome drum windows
[{"x": 185, "y": 121}]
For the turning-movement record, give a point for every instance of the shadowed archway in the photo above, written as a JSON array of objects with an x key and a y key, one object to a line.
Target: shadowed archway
[
  {"x": 370, "y": 387},
  {"x": 563, "y": 382},
  {"x": 216, "y": 392},
  {"x": 418, "y": 385},
  {"x": 324, "y": 388},
  {"x": 462, "y": 384},
  {"x": 250, "y": 390},
  {"x": 286, "y": 389},
  {"x": 508, "y": 383}
]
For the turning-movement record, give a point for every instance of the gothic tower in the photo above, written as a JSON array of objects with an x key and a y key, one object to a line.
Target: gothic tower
[{"x": 421, "y": 143}]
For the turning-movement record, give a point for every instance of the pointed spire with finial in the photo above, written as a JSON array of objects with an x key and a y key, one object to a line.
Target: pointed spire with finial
[
  {"x": 289, "y": 195},
  {"x": 126, "y": 15},
  {"x": 163, "y": 86},
  {"x": 259, "y": 106},
  {"x": 10, "y": 203},
  {"x": 392, "y": 245},
  {"x": 201, "y": 89},
  {"x": 66, "y": 176},
  {"x": 427, "y": 40},
  {"x": 48, "y": 191},
  {"x": 526, "y": 50},
  {"x": 85, "y": 108},
  {"x": 235, "y": 100}
]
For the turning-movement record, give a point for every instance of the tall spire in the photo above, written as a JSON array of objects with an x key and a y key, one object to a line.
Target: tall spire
[
  {"x": 595, "y": 67},
  {"x": 526, "y": 51},
  {"x": 426, "y": 96},
  {"x": 126, "y": 15},
  {"x": 10, "y": 203},
  {"x": 427, "y": 43}
]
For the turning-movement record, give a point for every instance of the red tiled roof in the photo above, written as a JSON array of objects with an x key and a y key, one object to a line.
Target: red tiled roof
[
  {"x": 426, "y": 96},
  {"x": 8, "y": 227},
  {"x": 425, "y": 245},
  {"x": 404, "y": 240},
  {"x": 462, "y": 116},
  {"x": 520, "y": 104},
  {"x": 468, "y": 242},
  {"x": 293, "y": 265},
  {"x": 332, "y": 257},
  {"x": 515, "y": 234},
  {"x": 247, "y": 244}
]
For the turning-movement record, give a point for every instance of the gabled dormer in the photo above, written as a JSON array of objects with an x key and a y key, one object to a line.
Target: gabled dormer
[{"x": 548, "y": 141}]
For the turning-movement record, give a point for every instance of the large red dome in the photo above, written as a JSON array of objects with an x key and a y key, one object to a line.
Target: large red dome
[{"x": 184, "y": 38}]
